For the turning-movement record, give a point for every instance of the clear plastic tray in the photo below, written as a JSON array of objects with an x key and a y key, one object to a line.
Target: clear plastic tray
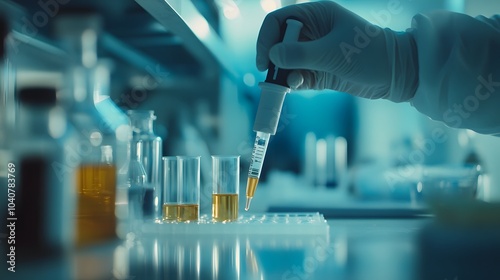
[{"x": 289, "y": 224}]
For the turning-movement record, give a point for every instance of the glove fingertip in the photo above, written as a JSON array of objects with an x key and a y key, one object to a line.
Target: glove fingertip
[
  {"x": 278, "y": 56},
  {"x": 262, "y": 63},
  {"x": 295, "y": 80}
]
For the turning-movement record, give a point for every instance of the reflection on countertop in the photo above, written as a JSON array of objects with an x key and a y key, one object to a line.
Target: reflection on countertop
[
  {"x": 418, "y": 248},
  {"x": 352, "y": 248}
]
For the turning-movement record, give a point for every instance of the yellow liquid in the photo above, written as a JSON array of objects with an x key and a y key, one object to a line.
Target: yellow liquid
[
  {"x": 225, "y": 207},
  {"x": 252, "y": 186},
  {"x": 96, "y": 192},
  {"x": 187, "y": 212},
  {"x": 180, "y": 212},
  {"x": 170, "y": 212}
]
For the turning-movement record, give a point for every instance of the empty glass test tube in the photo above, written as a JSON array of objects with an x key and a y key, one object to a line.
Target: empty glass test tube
[
  {"x": 170, "y": 186},
  {"x": 226, "y": 185},
  {"x": 189, "y": 188}
]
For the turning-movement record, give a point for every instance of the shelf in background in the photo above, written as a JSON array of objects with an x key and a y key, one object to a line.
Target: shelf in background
[{"x": 184, "y": 20}]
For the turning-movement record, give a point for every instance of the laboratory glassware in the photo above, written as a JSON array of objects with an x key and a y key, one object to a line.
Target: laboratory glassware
[
  {"x": 133, "y": 194},
  {"x": 273, "y": 92},
  {"x": 40, "y": 182},
  {"x": 446, "y": 182},
  {"x": 96, "y": 191},
  {"x": 4, "y": 149},
  {"x": 142, "y": 130},
  {"x": 225, "y": 187},
  {"x": 3, "y": 92},
  {"x": 8, "y": 105},
  {"x": 189, "y": 188},
  {"x": 138, "y": 189},
  {"x": 94, "y": 156},
  {"x": 170, "y": 186}
]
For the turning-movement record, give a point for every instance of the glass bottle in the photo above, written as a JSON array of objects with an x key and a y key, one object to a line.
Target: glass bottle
[
  {"x": 95, "y": 154},
  {"x": 43, "y": 184},
  {"x": 142, "y": 130},
  {"x": 96, "y": 192}
]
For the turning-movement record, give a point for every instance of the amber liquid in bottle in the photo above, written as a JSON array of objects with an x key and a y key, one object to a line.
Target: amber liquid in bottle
[
  {"x": 96, "y": 190},
  {"x": 224, "y": 207}
]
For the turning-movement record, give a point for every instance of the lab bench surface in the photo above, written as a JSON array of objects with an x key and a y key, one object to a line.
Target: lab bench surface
[{"x": 353, "y": 249}]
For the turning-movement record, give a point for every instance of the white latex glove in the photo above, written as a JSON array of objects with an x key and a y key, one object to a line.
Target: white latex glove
[
  {"x": 459, "y": 70},
  {"x": 447, "y": 65},
  {"x": 341, "y": 51}
]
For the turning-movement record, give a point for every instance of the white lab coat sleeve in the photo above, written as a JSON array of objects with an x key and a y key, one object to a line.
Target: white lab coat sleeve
[{"x": 459, "y": 70}]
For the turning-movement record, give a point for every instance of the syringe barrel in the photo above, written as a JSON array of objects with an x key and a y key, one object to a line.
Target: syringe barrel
[{"x": 258, "y": 154}]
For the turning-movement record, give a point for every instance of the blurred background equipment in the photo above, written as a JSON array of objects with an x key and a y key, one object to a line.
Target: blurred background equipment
[
  {"x": 192, "y": 64},
  {"x": 41, "y": 197},
  {"x": 84, "y": 83}
]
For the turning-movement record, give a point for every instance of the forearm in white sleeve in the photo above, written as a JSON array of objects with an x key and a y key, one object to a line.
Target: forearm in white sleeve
[{"x": 459, "y": 70}]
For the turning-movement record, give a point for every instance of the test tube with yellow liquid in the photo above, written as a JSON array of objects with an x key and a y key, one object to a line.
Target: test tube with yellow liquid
[
  {"x": 226, "y": 185},
  {"x": 170, "y": 185},
  {"x": 189, "y": 188},
  {"x": 181, "y": 188}
]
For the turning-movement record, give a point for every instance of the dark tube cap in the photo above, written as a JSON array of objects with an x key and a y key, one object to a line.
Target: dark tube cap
[{"x": 38, "y": 96}]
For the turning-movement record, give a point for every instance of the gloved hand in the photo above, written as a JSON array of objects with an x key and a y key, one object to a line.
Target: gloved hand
[{"x": 341, "y": 51}]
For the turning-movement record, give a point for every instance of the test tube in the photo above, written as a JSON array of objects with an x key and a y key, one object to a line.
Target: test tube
[
  {"x": 226, "y": 185},
  {"x": 170, "y": 185},
  {"x": 189, "y": 188}
]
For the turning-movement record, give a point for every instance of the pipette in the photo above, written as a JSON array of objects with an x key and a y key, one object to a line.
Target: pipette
[{"x": 273, "y": 91}]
